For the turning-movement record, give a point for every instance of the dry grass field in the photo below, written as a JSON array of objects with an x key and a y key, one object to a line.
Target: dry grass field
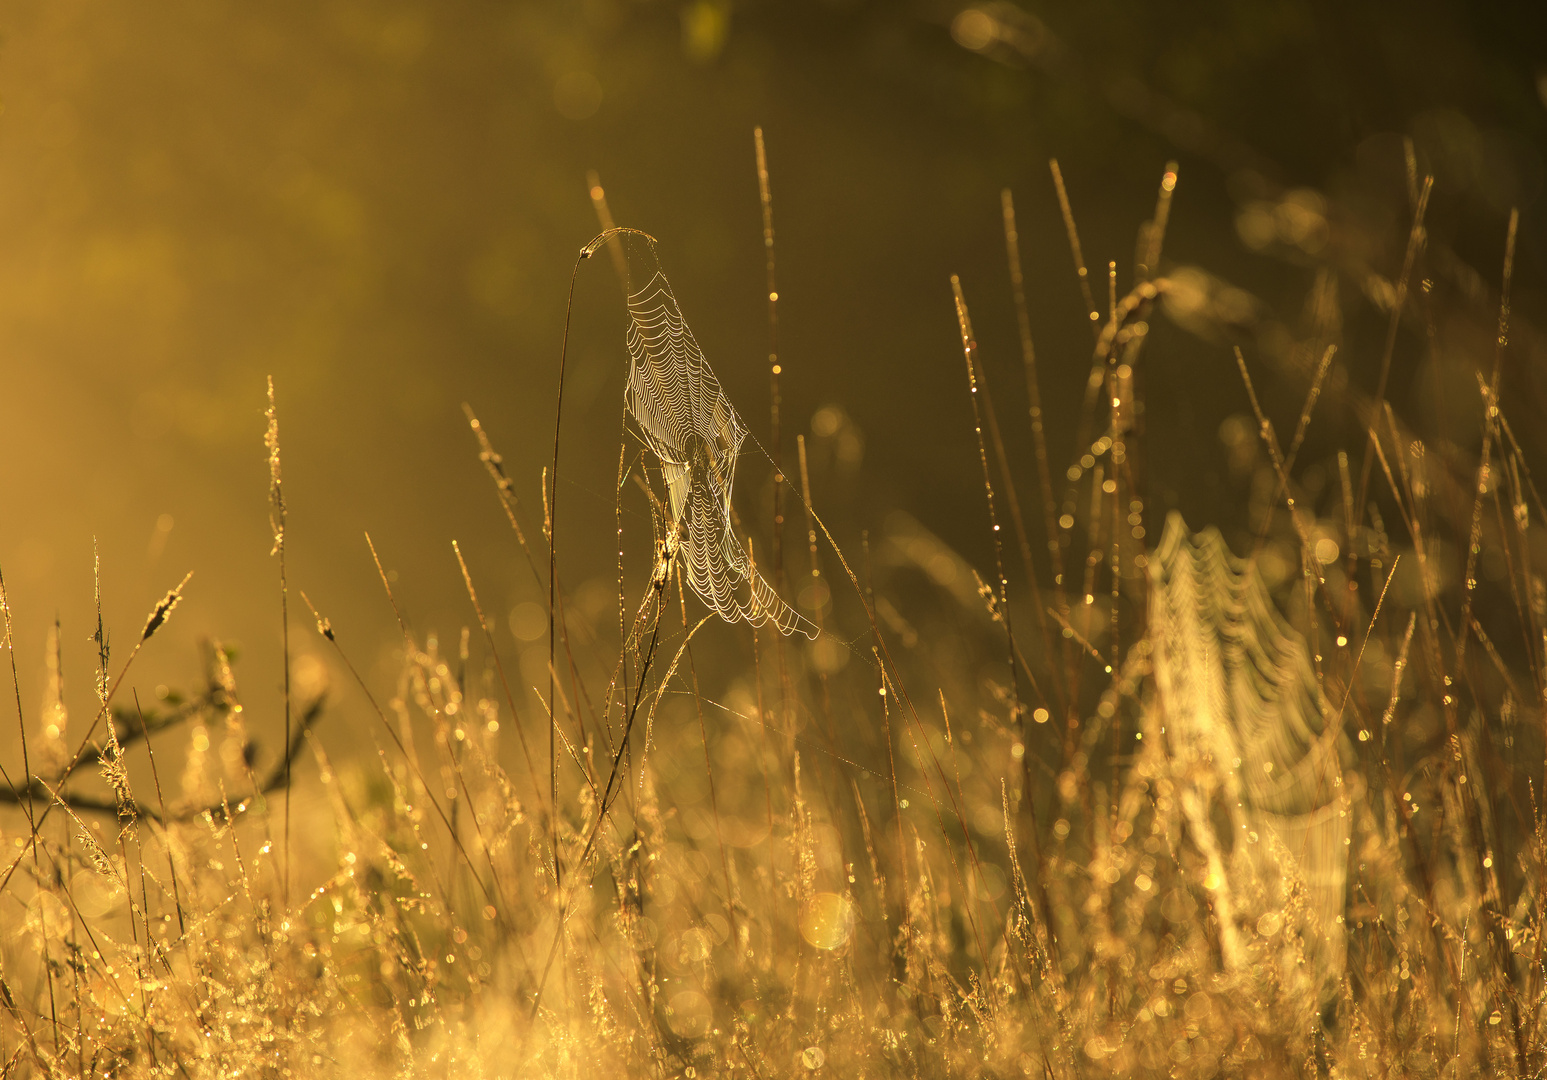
[{"x": 1114, "y": 802}]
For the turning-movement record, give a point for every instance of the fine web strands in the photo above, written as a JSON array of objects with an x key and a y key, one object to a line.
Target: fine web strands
[
  {"x": 685, "y": 417},
  {"x": 1247, "y": 724}
]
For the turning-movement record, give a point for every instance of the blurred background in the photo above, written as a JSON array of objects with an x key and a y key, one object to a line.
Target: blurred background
[{"x": 380, "y": 204}]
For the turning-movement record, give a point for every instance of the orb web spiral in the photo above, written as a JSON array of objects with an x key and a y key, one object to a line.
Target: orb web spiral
[{"x": 690, "y": 425}]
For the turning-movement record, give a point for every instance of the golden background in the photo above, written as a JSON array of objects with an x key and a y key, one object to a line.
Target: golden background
[{"x": 379, "y": 205}]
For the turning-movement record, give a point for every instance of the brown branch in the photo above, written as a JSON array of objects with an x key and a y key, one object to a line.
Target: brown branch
[{"x": 39, "y": 790}]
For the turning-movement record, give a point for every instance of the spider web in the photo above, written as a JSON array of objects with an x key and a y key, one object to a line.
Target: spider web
[
  {"x": 694, "y": 430},
  {"x": 1246, "y": 719}
]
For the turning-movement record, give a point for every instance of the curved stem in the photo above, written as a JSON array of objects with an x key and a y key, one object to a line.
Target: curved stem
[
  {"x": 553, "y": 547},
  {"x": 553, "y": 554}
]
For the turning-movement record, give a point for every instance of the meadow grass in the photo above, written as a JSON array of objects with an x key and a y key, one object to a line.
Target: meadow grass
[{"x": 867, "y": 857}]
